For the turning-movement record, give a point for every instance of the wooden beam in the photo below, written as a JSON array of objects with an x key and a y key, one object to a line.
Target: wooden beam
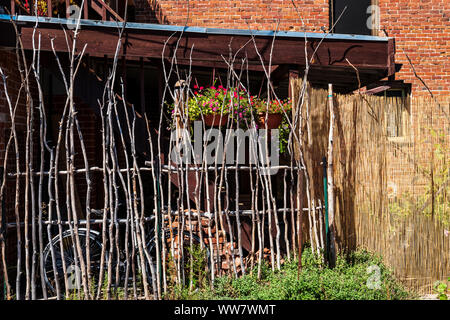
[
  {"x": 210, "y": 48},
  {"x": 374, "y": 60},
  {"x": 391, "y": 57}
]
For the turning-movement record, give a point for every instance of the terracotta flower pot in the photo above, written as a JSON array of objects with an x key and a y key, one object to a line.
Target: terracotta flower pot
[
  {"x": 273, "y": 120},
  {"x": 214, "y": 120}
]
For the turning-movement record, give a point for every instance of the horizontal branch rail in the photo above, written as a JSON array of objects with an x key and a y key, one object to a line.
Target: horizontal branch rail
[
  {"x": 165, "y": 169},
  {"x": 208, "y": 215}
]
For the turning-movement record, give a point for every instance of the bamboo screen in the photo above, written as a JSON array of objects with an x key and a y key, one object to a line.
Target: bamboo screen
[{"x": 392, "y": 193}]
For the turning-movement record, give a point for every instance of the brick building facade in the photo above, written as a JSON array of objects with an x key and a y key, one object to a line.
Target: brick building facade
[{"x": 421, "y": 28}]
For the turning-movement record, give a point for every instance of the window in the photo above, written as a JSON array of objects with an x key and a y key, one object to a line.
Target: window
[{"x": 358, "y": 16}]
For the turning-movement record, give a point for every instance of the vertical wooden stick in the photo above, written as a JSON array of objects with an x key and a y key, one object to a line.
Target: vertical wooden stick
[{"x": 330, "y": 180}]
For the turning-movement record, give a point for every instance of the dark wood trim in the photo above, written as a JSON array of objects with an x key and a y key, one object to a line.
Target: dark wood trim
[{"x": 211, "y": 47}]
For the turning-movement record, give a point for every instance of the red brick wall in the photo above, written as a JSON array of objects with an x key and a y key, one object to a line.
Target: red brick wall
[
  {"x": 421, "y": 28},
  {"x": 256, "y": 14}
]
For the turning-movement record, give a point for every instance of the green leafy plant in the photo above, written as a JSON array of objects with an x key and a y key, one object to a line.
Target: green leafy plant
[
  {"x": 233, "y": 102},
  {"x": 273, "y": 106},
  {"x": 195, "y": 270},
  {"x": 441, "y": 289},
  {"x": 284, "y": 132},
  {"x": 347, "y": 281},
  {"x": 220, "y": 100}
]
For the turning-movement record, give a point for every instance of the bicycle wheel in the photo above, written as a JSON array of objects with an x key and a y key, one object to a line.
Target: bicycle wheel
[
  {"x": 194, "y": 262},
  {"x": 73, "y": 270}
]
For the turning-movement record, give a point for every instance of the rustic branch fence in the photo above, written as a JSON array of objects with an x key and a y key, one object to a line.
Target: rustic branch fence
[
  {"x": 162, "y": 223},
  {"x": 148, "y": 235}
]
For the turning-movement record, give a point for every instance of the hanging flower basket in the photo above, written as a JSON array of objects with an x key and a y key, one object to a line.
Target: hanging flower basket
[
  {"x": 214, "y": 105},
  {"x": 215, "y": 120},
  {"x": 274, "y": 110},
  {"x": 273, "y": 120}
]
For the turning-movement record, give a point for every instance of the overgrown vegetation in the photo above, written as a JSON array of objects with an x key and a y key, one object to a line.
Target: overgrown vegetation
[
  {"x": 347, "y": 281},
  {"x": 441, "y": 289},
  {"x": 195, "y": 270}
]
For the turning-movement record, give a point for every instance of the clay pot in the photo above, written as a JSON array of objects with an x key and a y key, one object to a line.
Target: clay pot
[
  {"x": 273, "y": 120},
  {"x": 214, "y": 120}
]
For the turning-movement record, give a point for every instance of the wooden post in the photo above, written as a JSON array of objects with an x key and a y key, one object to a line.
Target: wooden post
[
  {"x": 85, "y": 10},
  {"x": 67, "y": 11},
  {"x": 293, "y": 75},
  {"x": 49, "y": 8},
  {"x": 330, "y": 180},
  {"x": 179, "y": 105}
]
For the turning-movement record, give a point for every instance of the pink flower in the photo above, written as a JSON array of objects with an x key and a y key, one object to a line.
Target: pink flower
[
  {"x": 240, "y": 114},
  {"x": 220, "y": 87},
  {"x": 201, "y": 88},
  {"x": 195, "y": 86},
  {"x": 195, "y": 92},
  {"x": 214, "y": 88}
]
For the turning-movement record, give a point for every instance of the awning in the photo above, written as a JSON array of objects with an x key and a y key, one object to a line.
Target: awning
[{"x": 372, "y": 56}]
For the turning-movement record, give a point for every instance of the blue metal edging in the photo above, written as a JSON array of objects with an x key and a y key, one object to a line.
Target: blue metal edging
[{"x": 187, "y": 29}]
